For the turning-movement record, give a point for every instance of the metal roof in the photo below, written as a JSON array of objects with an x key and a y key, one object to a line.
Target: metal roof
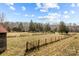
[{"x": 2, "y": 29}]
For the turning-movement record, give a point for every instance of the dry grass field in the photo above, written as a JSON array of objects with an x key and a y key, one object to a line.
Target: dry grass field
[
  {"x": 16, "y": 44},
  {"x": 65, "y": 47}
]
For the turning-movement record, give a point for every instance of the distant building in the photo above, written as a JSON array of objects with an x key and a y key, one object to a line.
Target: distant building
[{"x": 3, "y": 38}]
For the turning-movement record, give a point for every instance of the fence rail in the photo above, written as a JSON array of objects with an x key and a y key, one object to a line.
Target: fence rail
[{"x": 30, "y": 46}]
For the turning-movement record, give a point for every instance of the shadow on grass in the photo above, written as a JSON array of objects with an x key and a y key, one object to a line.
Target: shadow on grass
[{"x": 2, "y": 52}]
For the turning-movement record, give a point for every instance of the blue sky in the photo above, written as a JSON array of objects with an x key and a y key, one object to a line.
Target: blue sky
[{"x": 41, "y": 12}]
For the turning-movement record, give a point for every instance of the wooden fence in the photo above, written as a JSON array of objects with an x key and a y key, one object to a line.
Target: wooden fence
[{"x": 30, "y": 46}]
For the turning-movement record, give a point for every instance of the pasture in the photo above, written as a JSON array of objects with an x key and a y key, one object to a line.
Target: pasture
[{"x": 16, "y": 43}]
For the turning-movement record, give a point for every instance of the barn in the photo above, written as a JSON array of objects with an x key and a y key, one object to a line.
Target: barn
[{"x": 3, "y": 38}]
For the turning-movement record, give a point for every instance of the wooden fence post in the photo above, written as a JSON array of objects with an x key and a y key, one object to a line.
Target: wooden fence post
[
  {"x": 51, "y": 40},
  {"x": 60, "y": 37},
  {"x": 45, "y": 41},
  {"x": 27, "y": 46},
  {"x": 38, "y": 44},
  {"x": 55, "y": 38},
  {"x": 32, "y": 45}
]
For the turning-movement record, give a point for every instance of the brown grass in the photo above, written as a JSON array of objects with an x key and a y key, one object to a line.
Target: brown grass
[{"x": 16, "y": 44}]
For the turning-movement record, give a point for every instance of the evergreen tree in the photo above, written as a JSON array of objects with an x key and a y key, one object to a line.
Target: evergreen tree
[
  {"x": 31, "y": 26},
  {"x": 47, "y": 27},
  {"x": 63, "y": 27},
  {"x": 20, "y": 27}
]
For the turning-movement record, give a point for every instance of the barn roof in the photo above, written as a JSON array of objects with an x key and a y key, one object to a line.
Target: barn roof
[{"x": 2, "y": 29}]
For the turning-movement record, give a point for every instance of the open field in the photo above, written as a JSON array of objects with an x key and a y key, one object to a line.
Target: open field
[
  {"x": 16, "y": 44},
  {"x": 65, "y": 47}
]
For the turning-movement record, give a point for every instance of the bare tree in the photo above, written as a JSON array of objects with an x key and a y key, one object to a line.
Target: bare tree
[{"x": 2, "y": 17}]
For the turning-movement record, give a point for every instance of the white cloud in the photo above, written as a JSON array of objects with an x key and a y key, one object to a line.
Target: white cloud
[
  {"x": 25, "y": 15},
  {"x": 54, "y": 16},
  {"x": 50, "y": 17},
  {"x": 73, "y": 5},
  {"x": 23, "y": 8},
  {"x": 65, "y": 12},
  {"x": 9, "y": 4},
  {"x": 50, "y": 5},
  {"x": 77, "y": 4},
  {"x": 45, "y": 6},
  {"x": 43, "y": 10},
  {"x": 12, "y": 8},
  {"x": 29, "y": 15},
  {"x": 38, "y": 5},
  {"x": 66, "y": 16},
  {"x": 72, "y": 11},
  {"x": 32, "y": 15}
]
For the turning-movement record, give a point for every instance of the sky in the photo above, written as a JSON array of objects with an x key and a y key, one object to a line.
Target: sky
[{"x": 41, "y": 12}]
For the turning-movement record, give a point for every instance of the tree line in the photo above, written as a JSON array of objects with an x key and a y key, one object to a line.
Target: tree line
[
  {"x": 32, "y": 27},
  {"x": 37, "y": 27}
]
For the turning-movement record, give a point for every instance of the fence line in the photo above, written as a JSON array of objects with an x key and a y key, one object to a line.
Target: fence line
[{"x": 38, "y": 43}]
